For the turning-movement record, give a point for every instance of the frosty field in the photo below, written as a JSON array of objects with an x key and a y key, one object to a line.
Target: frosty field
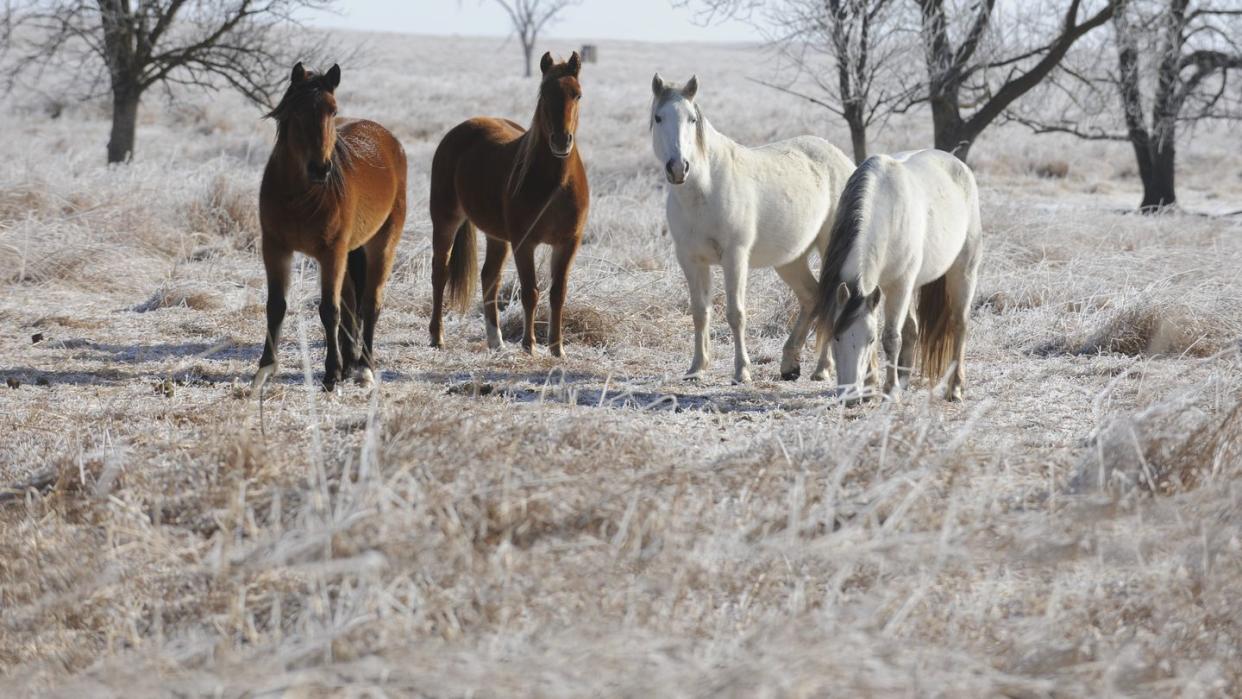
[{"x": 499, "y": 525}]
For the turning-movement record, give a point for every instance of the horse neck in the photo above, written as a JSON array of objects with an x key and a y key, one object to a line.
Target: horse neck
[
  {"x": 289, "y": 163},
  {"x": 716, "y": 151},
  {"x": 535, "y": 166}
]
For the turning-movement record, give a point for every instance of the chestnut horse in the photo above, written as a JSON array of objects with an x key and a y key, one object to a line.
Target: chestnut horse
[
  {"x": 521, "y": 187},
  {"x": 334, "y": 189}
]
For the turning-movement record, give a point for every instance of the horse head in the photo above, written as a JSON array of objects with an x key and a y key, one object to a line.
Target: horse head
[
  {"x": 306, "y": 117},
  {"x": 676, "y": 126},
  {"x": 559, "y": 94}
]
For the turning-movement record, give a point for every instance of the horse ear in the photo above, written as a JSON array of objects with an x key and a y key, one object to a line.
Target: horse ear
[
  {"x": 545, "y": 63},
  {"x": 843, "y": 294},
  {"x": 874, "y": 299},
  {"x": 691, "y": 89},
  {"x": 657, "y": 85},
  {"x": 333, "y": 77},
  {"x": 299, "y": 74},
  {"x": 575, "y": 64}
]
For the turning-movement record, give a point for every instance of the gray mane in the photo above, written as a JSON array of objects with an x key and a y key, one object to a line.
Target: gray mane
[{"x": 846, "y": 229}]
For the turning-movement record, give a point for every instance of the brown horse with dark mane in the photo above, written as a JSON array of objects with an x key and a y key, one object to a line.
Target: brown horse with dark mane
[
  {"x": 334, "y": 189},
  {"x": 521, "y": 187}
]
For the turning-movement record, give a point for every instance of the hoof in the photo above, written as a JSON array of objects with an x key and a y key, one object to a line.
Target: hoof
[
  {"x": 742, "y": 377},
  {"x": 792, "y": 374},
  {"x": 261, "y": 377},
  {"x": 496, "y": 346},
  {"x": 364, "y": 377},
  {"x": 955, "y": 395},
  {"x": 693, "y": 376},
  {"x": 557, "y": 351},
  {"x": 528, "y": 349},
  {"x": 437, "y": 343},
  {"x": 820, "y": 375}
]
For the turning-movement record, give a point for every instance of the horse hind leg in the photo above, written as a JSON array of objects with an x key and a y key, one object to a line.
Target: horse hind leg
[
  {"x": 379, "y": 254},
  {"x": 799, "y": 278},
  {"x": 960, "y": 288},
  {"x": 351, "y": 310},
  {"x": 332, "y": 268},
  {"x": 444, "y": 229},
  {"x": 909, "y": 343},
  {"x": 493, "y": 265}
]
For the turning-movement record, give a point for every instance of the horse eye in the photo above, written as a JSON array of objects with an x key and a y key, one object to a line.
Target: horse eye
[
  {"x": 693, "y": 120},
  {"x": 659, "y": 120}
]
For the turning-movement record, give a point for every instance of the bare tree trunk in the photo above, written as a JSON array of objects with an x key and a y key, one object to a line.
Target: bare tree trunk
[
  {"x": 854, "y": 117},
  {"x": 528, "y": 51},
  {"x": 1159, "y": 185},
  {"x": 124, "y": 124}
]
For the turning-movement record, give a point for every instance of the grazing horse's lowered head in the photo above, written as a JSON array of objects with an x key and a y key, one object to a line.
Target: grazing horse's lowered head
[
  {"x": 306, "y": 119},
  {"x": 559, "y": 94},
  {"x": 854, "y": 329},
  {"x": 676, "y": 126}
]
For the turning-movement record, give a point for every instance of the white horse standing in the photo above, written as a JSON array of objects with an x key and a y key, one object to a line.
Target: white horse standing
[
  {"x": 906, "y": 223},
  {"x": 738, "y": 208}
]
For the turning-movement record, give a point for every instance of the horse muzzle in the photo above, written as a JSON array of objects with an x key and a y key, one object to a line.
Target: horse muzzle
[
  {"x": 561, "y": 146},
  {"x": 677, "y": 172},
  {"x": 318, "y": 172}
]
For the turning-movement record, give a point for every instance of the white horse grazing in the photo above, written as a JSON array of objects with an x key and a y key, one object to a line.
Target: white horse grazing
[
  {"x": 906, "y": 223},
  {"x": 741, "y": 207}
]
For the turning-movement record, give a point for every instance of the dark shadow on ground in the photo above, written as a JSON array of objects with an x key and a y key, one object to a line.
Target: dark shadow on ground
[{"x": 587, "y": 389}]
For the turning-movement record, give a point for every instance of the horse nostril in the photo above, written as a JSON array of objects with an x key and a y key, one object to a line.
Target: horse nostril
[{"x": 668, "y": 167}]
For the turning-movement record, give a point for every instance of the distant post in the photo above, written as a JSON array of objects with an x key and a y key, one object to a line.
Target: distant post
[{"x": 590, "y": 53}]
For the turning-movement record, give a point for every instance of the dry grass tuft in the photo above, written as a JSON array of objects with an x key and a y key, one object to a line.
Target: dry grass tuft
[
  {"x": 228, "y": 212},
  {"x": 1171, "y": 446},
  {"x": 1155, "y": 330},
  {"x": 581, "y": 324},
  {"x": 1052, "y": 169},
  {"x": 193, "y": 295}
]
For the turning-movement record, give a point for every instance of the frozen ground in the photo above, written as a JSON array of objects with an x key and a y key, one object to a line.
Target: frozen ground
[{"x": 496, "y": 525}]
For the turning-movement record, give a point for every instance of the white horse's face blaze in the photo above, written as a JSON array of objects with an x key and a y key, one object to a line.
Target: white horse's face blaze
[{"x": 674, "y": 129}]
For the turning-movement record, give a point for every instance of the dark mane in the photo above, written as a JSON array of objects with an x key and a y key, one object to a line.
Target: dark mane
[
  {"x": 300, "y": 96},
  {"x": 851, "y": 210}
]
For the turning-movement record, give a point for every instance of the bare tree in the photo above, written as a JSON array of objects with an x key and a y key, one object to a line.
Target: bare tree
[
  {"x": 985, "y": 83},
  {"x": 1170, "y": 67},
  {"x": 848, "y": 48},
  {"x": 529, "y": 18},
  {"x": 128, "y": 46}
]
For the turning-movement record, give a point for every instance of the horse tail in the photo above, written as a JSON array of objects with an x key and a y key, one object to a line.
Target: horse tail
[
  {"x": 937, "y": 333},
  {"x": 463, "y": 268}
]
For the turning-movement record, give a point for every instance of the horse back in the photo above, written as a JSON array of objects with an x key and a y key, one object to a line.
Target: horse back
[{"x": 470, "y": 168}]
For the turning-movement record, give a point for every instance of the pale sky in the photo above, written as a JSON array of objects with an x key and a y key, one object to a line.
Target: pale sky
[{"x": 643, "y": 20}]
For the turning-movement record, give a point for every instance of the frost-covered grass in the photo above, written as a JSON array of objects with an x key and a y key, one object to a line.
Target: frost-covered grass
[{"x": 496, "y": 525}]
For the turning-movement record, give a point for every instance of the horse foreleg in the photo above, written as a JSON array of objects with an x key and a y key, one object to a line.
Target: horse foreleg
[
  {"x": 699, "y": 280},
  {"x": 524, "y": 258},
  {"x": 331, "y": 277},
  {"x": 736, "y": 268},
  {"x": 493, "y": 264},
  {"x": 276, "y": 262},
  {"x": 896, "y": 310},
  {"x": 562, "y": 261}
]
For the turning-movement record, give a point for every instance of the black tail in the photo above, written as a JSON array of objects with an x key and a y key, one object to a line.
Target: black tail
[
  {"x": 846, "y": 225},
  {"x": 463, "y": 268}
]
